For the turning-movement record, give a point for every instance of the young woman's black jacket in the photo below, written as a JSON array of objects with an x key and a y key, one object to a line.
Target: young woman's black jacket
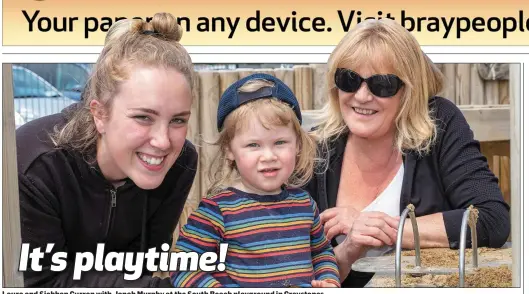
[
  {"x": 451, "y": 177},
  {"x": 66, "y": 201}
]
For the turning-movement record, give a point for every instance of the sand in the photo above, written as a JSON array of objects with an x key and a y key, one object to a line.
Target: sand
[{"x": 489, "y": 277}]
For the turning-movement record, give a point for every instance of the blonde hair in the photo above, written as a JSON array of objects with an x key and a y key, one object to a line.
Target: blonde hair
[
  {"x": 386, "y": 44},
  {"x": 270, "y": 112},
  {"x": 129, "y": 43}
]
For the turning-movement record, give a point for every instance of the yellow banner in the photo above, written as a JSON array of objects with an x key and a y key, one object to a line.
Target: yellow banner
[{"x": 274, "y": 22}]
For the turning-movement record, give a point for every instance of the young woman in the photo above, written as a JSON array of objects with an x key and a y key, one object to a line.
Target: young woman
[{"x": 116, "y": 168}]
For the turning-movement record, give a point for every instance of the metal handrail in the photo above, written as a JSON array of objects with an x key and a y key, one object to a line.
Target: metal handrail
[
  {"x": 469, "y": 219},
  {"x": 410, "y": 211}
]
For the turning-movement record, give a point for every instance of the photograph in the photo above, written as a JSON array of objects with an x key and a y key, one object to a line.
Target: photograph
[{"x": 373, "y": 162}]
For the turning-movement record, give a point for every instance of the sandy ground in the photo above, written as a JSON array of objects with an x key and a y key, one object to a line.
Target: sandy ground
[{"x": 498, "y": 276}]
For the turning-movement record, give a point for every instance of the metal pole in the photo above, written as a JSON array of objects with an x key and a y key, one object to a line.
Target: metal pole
[
  {"x": 472, "y": 221},
  {"x": 470, "y": 218},
  {"x": 415, "y": 236},
  {"x": 398, "y": 250},
  {"x": 462, "y": 247}
]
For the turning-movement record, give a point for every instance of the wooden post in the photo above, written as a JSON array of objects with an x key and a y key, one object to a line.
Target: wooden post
[
  {"x": 492, "y": 92},
  {"x": 268, "y": 71},
  {"x": 244, "y": 72},
  {"x": 319, "y": 85},
  {"x": 210, "y": 94},
  {"x": 303, "y": 86},
  {"x": 11, "y": 238},
  {"x": 516, "y": 219},
  {"x": 449, "y": 71},
  {"x": 477, "y": 87},
  {"x": 286, "y": 75},
  {"x": 504, "y": 159},
  {"x": 227, "y": 78},
  {"x": 462, "y": 87},
  {"x": 193, "y": 134}
]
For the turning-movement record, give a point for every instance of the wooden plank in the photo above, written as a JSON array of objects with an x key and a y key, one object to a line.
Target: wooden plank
[
  {"x": 505, "y": 164},
  {"x": 504, "y": 92},
  {"x": 496, "y": 166},
  {"x": 11, "y": 238},
  {"x": 209, "y": 93},
  {"x": 515, "y": 165},
  {"x": 505, "y": 182},
  {"x": 269, "y": 71},
  {"x": 487, "y": 151},
  {"x": 498, "y": 156},
  {"x": 449, "y": 71},
  {"x": 193, "y": 135},
  {"x": 303, "y": 85},
  {"x": 244, "y": 72},
  {"x": 227, "y": 78},
  {"x": 492, "y": 92},
  {"x": 498, "y": 148},
  {"x": 477, "y": 87},
  {"x": 193, "y": 131},
  {"x": 319, "y": 85},
  {"x": 489, "y": 123},
  {"x": 505, "y": 177},
  {"x": 286, "y": 75},
  {"x": 463, "y": 83}
]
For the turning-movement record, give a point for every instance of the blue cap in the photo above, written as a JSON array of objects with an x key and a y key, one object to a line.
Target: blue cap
[{"x": 231, "y": 98}]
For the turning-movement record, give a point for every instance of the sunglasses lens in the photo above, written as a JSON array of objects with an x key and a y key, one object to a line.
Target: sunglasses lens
[
  {"x": 347, "y": 80},
  {"x": 384, "y": 85}
]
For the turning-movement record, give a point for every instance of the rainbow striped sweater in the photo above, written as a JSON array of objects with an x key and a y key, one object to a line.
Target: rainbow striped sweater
[{"x": 273, "y": 241}]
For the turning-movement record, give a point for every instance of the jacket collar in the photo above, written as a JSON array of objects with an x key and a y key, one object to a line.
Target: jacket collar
[{"x": 91, "y": 173}]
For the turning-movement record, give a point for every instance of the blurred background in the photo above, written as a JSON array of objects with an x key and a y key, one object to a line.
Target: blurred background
[{"x": 42, "y": 89}]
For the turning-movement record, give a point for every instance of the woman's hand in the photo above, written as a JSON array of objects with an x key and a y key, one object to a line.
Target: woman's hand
[
  {"x": 373, "y": 229},
  {"x": 338, "y": 221},
  {"x": 369, "y": 229},
  {"x": 322, "y": 284}
]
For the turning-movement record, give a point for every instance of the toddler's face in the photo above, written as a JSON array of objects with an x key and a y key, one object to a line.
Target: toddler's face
[{"x": 265, "y": 158}]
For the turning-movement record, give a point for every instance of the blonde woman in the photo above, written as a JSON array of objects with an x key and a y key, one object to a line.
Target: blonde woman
[
  {"x": 117, "y": 168},
  {"x": 390, "y": 141}
]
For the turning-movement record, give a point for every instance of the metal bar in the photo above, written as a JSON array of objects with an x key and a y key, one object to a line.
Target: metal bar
[
  {"x": 462, "y": 247},
  {"x": 472, "y": 221},
  {"x": 398, "y": 249},
  {"x": 415, "y": 235},
  {"x": 474, "y": 246}
]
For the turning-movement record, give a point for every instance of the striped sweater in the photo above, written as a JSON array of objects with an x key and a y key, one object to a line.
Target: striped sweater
[{"x": 273, "y": 241}]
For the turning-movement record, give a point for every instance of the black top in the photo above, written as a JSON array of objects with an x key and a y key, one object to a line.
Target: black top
[
  {"x": 450, "y": 178},
  {"x": 66, "y": 201}
]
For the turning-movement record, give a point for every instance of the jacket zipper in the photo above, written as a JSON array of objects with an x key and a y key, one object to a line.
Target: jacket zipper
[{"x": 113, "y": 203}]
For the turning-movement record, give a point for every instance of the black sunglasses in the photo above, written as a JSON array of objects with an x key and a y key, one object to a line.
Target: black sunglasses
[{"x": 384, "y": 86}]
